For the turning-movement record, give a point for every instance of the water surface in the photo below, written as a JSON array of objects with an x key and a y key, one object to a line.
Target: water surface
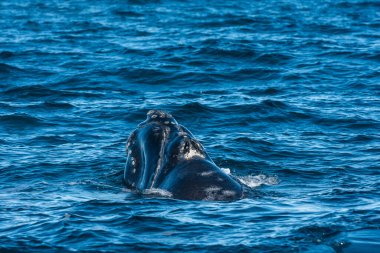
[{"x": 283, "y": 94}]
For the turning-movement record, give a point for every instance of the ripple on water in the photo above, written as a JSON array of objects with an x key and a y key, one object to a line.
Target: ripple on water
[{"x": 20, "y": 120}]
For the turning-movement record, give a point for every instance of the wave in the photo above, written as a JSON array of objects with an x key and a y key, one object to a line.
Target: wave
[
  {"x": 49, "y": 139},
  {"x": 29, "y": 91},
  {"x": 127, "y": 13},
  {"x": 251, "y": 141},
  {"x": 267, "y": 110},
  {"x": 57, "y": 105},
  {"x": 145, "y": 75},
  {"x": 8, "y": 69},
  {"x": 231, "y": 20},
  {"x": 350, "y": 123},
  {"x": 192, "y": 108},
  {"x": 21, "y": 120},
  {"x": 253, "y": 181},
  {"x": 315, "y": 232},
  {"x": 258, "y": 73},
  {"x": 238, "y": 53},
  {"x": 270, "y": 91},
  {"x": 6, "y": 54},
  {"x": 358, "y": 4},
  {"x": 273, "y": 58},
  {"x": 40, "y": 91}
]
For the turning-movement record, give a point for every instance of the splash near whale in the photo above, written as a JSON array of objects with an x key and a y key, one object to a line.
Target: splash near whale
[{"x": 162, "y": 154}]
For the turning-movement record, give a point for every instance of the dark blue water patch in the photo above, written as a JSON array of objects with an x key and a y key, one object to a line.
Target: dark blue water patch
[
  {"x": 7, "y": 69},
  {"x": 251, "y": 73},
  {"x": 187, "y": 109},
  {"x": 137, "y": 52},
  {"x": 47, "y": 140},
  {"x": 366, "y": 238},
  {"x": 228, "y": 20},
  {"x": 20, "y": 120},
  {"x": 364, "y": 4},
  {"x": 263, "y": 107},
  {"x": 374, "y": 56},
  {"x": 238, "y": 53},
  {"x": 352, "y": 123},
  {"x": 274, "y": 58},
  {"x": 6, "y": 54},
  {"x": 252, "y": 141},
  {"x": 55, "y": 105},
  {"x": 141, "y": 75},
  {"x": 270, "y": 91},
  {"x": 38, "y": 92},
  {"x": 315, "y": 233},
  {"x": 360, "y": 138},
  {"x": 127, "y": 13},
  {"x": 29, "y": 91}
]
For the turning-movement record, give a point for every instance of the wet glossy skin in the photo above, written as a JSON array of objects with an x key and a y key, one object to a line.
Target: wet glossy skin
[{"x": 161, "y": 154}]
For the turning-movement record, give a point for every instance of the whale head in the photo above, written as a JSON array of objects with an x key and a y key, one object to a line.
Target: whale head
[
  {"x": 162, "y": 154},
  {"x": 155, "y": 147}
]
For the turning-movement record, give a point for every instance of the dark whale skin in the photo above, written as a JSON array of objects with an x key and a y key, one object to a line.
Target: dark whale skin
[{"x": 161, "y": 154}]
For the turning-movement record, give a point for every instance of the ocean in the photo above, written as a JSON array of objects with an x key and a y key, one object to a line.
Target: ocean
[{"x": 283, "y": 95}]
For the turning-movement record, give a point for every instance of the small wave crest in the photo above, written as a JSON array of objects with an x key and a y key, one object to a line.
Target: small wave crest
[
  {"x": 156, "y": 192},
  {"x": 7, "y": 68},
  {"x": 20, "y": 119},
  {"x": 255, "y": 181}
]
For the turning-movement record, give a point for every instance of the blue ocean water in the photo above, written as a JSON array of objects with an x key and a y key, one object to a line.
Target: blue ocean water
[{"x": 284, "y": 95}]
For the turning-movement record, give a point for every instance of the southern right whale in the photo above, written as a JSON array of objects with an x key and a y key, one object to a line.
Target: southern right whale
[{"x": 162, "y": 154}]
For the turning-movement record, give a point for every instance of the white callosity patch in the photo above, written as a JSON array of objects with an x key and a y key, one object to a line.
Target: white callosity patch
[
  {"x": 192, "y": 153},
  {"x": 160, "y": 161},
  {"x": 228, "y": 193},
  {"x": 156, "y": 113},
  {"x": 130, "y": 160},
  {"x": 212, "y": 189},
  {"x": 207, "y": 173},
  {"x": 212, "y": 192},
  {"x": 255, "y": 181},
  {"x": 189, "y": 151}
]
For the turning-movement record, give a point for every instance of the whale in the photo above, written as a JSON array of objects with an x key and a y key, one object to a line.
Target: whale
[{"x": 164, "y": 155}]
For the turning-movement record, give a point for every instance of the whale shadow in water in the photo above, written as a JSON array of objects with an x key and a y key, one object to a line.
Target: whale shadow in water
[{"x": 162, "y": 154}]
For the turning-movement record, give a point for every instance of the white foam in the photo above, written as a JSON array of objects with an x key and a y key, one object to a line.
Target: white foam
[
  {"x": 261, "y": 179},
  {"x": 226, "y": 170},
  {"x": 158, "y": 192}
]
